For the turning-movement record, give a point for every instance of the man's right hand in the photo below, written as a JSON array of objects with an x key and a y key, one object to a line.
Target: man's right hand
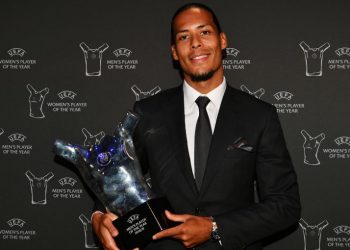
[{"x": 105, "y": 230}]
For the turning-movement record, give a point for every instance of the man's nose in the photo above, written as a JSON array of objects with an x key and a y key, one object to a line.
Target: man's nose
[{"x": 195, "y": 42}]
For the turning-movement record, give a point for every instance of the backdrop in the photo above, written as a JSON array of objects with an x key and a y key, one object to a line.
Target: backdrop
[{"x": 71, "y": 69}]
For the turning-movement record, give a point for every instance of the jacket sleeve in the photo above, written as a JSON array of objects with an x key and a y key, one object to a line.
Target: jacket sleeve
[{"x": 279, "y": 205}]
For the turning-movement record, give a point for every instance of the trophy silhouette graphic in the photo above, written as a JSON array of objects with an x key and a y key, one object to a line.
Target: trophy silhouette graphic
[{"x": 111, "y": 170}]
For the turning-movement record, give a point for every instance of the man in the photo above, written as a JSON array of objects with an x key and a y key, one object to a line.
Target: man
[{"x": 213, "y": 197}]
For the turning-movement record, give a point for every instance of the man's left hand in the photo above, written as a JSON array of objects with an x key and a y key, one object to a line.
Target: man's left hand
[{"x": 193, "y": 231}]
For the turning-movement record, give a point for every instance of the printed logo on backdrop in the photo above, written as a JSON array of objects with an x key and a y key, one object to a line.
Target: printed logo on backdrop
[
  {"x": 67, "y": 189},
  {"x": 284, "y": 100},
  {"x": 93, "y": 58},
  {"x": 124, "y": 60},
  {"x": 17, "y": 145},
  {"x": 337, "y": 149},
  {"x": 256, "y": 93},
  {"x": 36, "y": 100},
  {"x": 89, "y": 239},
  {"x": 17, "y": 229},
  {"x": 311, "y": 147},
  {"x": 285, "y": 104},
  {"x": 17, "y": 60},
  {"x": 66, "y": 103},
  {"x": 139, "y": 94},
  {"x": 233, "y": 61},
  {"x": 1, "y": 131},
  {"x": 342, "y": 59},
  {"x": 312, "y": 234},
  {"x": 313, "y": 58},
  {"x": 341, "y": 237},
  {"x": 38, "y": 187},
  {"x": 91, "y": 139}
]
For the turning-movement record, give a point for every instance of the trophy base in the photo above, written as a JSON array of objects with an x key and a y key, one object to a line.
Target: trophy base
[{"x": 137, "y": 227}]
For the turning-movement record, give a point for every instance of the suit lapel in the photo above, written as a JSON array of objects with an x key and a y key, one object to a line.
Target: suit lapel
[
  {"x": 176, "y": 126},
  {"x": 225, "y": 127}
]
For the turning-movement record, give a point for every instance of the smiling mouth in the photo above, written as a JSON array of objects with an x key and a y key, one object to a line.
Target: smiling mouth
[{"x": 199, "y": 58}]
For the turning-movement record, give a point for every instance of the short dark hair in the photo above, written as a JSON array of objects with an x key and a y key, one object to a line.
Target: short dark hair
[{"x": 189, "y": 6}]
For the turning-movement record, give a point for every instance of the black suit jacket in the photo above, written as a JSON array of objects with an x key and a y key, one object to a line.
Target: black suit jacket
[{"x": 227, "y": 191}]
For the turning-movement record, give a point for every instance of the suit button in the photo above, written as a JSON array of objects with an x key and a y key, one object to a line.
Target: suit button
[{"x": 196, "y": 211}]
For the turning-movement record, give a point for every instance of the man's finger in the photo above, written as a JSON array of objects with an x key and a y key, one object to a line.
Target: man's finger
[
  {"x": 108, "y": 232},
  {"x": 107, "y": 222},
  {"x": 177, "y": 217},
  {"x": 112, "y": 216},
  {"x": 107, "y": 240},
  {"x": 171, "y": 232}
]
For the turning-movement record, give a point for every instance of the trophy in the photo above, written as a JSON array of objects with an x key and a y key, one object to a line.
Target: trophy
[{"x": 111, "y": 170}]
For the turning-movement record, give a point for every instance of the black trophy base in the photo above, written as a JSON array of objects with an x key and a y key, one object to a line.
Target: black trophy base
[{"x": 137, "y": 227}]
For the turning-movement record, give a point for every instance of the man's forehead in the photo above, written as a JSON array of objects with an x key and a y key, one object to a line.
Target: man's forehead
[{"x": 193, "y": 18}]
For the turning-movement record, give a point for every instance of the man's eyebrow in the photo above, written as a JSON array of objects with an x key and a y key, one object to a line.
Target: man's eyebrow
[
  {"x": 198, "y": 27},
  {"x": 181, "y": 31},
  {"x": 202, "y": 26}
]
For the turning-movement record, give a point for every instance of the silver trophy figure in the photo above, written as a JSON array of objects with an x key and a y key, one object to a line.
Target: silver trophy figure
[{"x": 111, "y": 170}]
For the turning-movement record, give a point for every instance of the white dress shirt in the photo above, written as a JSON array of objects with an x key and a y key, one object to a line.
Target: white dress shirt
[{"x": 192, "y": 112}]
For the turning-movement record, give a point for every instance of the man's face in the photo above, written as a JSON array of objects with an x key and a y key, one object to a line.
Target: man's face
[{"x": 198, "y": 45}]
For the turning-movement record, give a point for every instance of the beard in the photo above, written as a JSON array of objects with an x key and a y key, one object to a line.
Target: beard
[{"x": 202, "y": 77}]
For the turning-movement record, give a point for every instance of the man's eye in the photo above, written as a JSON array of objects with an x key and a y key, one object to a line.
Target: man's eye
[
  {"x": 183, "y": 37},
  {"x": 205, "y": 32}
]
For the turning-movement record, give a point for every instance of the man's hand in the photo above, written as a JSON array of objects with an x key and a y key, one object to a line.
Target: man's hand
[
  {"x": 105, "y": 230},
  {"x": 193, "y": 231}
]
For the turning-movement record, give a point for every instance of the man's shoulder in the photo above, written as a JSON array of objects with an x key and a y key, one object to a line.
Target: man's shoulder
[{"x": 247, "y": 100}]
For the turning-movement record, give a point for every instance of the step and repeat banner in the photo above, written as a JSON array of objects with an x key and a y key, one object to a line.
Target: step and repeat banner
[{"x": 71, "y": 70}]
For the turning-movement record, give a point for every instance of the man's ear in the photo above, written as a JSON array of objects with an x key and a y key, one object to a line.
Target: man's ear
[
  {"x": 174, "y": 53},
  {"x": 223, "y": 40}
]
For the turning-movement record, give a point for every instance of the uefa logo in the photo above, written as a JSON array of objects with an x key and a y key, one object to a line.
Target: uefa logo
[
  {"x": 342, "y": 59},
  {"x": 104, "y": 158},
  {"x": 124, "y": 59},
  {"x": 17, "y": 60},
  {"x": 132, "y": 218},
  {"x": 17, "y": 229},
  {"x": 234, "y": 61},
  {"x": 340, "y": 238},
  {"x": 67, "y": 103},
  {"x": 67, "y": 189},
  {"x": 17, "y": 146},
  {"x": 284, "y": 103},
  {"x": 16, "y": 52}
]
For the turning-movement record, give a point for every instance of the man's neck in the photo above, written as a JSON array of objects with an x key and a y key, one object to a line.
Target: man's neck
[{"x": 205, "y": 87}]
